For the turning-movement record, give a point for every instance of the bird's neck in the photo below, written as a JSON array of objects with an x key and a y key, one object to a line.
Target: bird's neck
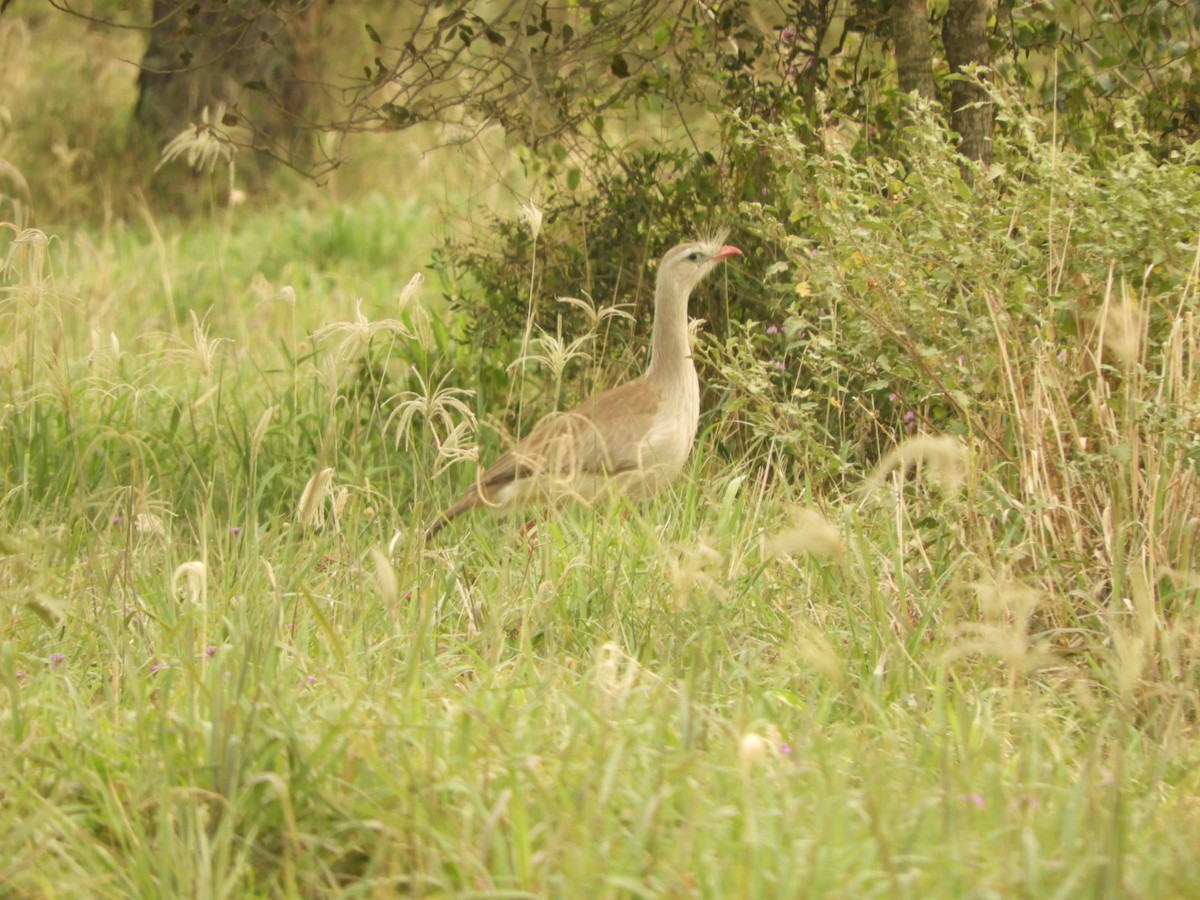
[{"x": 670, "y": 348}]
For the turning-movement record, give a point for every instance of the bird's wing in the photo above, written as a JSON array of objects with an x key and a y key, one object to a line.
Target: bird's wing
[{"x": 601, "y": 435}]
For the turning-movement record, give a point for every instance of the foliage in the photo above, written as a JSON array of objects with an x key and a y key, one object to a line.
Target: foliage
[
  {"x": 571, "y": 86},
  {"x": 647, "y": 203},
  {"x": 1089, "y": 60},
  {"x": 1042, "y": 312}
]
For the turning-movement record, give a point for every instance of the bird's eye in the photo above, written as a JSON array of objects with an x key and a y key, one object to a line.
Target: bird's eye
[{"x": 694, "y": 256}]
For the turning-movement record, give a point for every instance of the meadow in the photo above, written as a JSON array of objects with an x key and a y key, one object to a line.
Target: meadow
[{"x": 968, "y": 666}]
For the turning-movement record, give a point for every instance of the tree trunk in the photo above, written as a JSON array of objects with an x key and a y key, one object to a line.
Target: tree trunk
[
  {"x": 249, "y": 56},
  {"x": 914, "y": 58},
  {"x": 964, "y": 33}
]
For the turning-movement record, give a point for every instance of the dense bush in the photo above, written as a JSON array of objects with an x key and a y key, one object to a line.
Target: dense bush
[{"x": 1043, "y": 312}]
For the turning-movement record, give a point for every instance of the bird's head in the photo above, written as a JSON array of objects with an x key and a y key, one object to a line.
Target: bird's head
[{"x": 685, "y": 265}]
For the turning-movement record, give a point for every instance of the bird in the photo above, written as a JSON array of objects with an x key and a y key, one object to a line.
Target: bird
[{"x": 635, "y": 437}]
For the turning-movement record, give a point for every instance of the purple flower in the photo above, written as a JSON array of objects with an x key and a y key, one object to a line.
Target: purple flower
[
  {"x": 22, "y": 678},
  {"x": 154, "y": 667},
  {"x": 787, "y": 35},
  {"x": 785, "y": 749},
  {"x": 235, "y": 530},
  {"x": 56, "y": 660},
  {"x": 779, "y": 364},
  {"x": 772, "y": 329},
  {"x": 975, "y": 800},
  {"x": 209, "y": 651}
]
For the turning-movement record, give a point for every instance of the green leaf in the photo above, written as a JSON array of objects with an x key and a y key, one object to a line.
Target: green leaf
[
  {"x": 396, "y": 112},
  {"x": 620, "y": 67},
  {"x": 1121, "y": 452},
  {"x": 372, "y": 33}
]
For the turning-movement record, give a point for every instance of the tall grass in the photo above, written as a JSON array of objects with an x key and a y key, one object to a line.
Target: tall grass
[
  {"x": 1045, "y": 317},
  {"x": 230, "y": 667}
]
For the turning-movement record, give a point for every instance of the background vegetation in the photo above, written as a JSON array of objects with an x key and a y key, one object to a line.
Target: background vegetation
[{"x": 919, "y": 620}]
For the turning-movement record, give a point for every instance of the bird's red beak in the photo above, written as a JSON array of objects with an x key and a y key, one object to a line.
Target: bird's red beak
[{"x": 727, "y": 251}]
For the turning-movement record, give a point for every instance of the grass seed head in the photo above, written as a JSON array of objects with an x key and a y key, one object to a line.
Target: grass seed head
[
  {"x": 755, "y": 748},
  {"x": 597, "y": 315},
  {"x": 202, "y": 145},
  {"x": 340, "y": 501},
  {"x": 616, "y": 673},
  {"x": 18, "y": 193},
  {"x": 940, "y": 458},
  {"x": 310, "y": 511},
  {"x": 422, "y": 326},
  {"x": 27, "y": 261},
  {"x": 752, "y": 750},
  {"x": 554, "y": 353},
  {"x": 457, "y": 446},
  {"x": 1007, "y": 611},
  {"x": 437, "y": 405},
  {"x": 1123, "y": 329},
  {"x": 149, "y": 523},
  {"x": 260, "y": 433},
  {"x": 810, "y": 533},
  {"x": 386, "y": 582},
  {"x": 533, "y": 218},
  {"x": 200, "y": 352},
  {"x": 1128, "y": 661},
  {"x": 696, "y": 569},
  {"x": 193, "y": 576},
  {"x": 410, "y": 291},
  {"x": 816, "y": 649},
  {"x": 358, "y": 333}
]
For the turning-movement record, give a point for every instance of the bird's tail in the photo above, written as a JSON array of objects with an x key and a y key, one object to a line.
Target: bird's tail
[{"x": 469, "y": 501}]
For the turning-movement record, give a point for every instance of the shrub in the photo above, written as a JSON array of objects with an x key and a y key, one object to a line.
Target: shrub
[{"x": 1042, "y": 310}]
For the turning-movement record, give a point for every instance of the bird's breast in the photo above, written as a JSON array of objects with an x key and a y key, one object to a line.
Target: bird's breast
[{"x": 668, "y": 442}]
